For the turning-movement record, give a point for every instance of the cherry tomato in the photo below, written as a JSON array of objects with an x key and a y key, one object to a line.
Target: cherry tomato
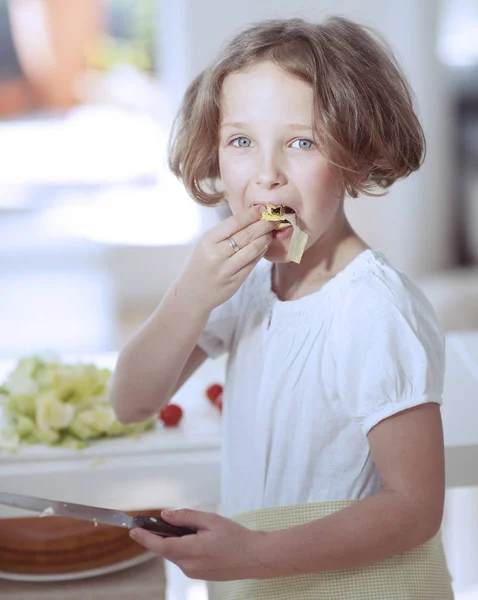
[
  {"x": 218, "y": 402},
  {"x": 171, "y": 415},
  {"x": 213, "y": 391}
]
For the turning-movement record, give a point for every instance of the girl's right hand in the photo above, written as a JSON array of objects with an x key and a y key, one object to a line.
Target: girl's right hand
[{"x": 224, "y": 257}]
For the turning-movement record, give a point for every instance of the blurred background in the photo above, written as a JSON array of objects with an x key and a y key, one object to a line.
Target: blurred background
[{"x": 93, "y": 227}]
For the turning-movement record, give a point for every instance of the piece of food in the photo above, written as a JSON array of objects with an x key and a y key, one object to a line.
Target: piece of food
[
  {"x": 49, "y": 402},
  {"x": 277, "y": 213},
  {"x": 171, "y": 415},
  {"x": 215, "y": 395},
  {"x": 286, "y": 217},
  {"x": 213, "y": 391}
]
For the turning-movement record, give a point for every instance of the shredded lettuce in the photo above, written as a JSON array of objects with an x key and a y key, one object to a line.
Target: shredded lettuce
[{"x": 46, "y": 401}]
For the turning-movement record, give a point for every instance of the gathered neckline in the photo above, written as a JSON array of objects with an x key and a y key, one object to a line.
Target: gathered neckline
[{"x": 355, "y": 267}]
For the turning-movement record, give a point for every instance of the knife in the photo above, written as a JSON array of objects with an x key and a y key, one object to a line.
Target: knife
[{"x": 94, "y": 514}]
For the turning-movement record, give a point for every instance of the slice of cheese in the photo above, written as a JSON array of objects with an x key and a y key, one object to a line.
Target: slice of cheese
[{"x": 299, "y": 238}]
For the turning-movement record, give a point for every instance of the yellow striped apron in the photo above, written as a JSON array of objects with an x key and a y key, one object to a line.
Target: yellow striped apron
[{"x": 419, "y": 574}]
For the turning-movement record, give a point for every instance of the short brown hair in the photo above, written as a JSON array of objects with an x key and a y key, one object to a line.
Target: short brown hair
[{"x": 364, "y": 120}]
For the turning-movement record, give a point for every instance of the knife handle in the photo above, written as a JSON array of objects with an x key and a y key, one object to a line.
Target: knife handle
[{"x": 160, "y": 527}]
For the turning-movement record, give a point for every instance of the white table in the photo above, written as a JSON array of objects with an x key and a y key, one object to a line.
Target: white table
[
  {"x": 460, "y": 409},
  {"x": 166, "y": 467},
  {"x": 179, "y": 467},
  {"x": 460, "y": 422}
]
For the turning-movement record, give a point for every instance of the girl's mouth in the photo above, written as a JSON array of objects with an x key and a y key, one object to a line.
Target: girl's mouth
[
  {"x": 283, "y": 232},
  {"x": 286, "y": 227}
]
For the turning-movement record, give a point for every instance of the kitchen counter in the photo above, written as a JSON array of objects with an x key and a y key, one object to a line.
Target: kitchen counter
[
  {"x": 180, "y": 467},
  {"x": 164, "y": 467},
  {"x": 143, "y": 582},
  {"x": 460, "y": 409}
]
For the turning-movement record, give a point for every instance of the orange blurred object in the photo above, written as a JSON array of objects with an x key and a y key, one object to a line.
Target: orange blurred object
[{"x": 50, "y": 38}]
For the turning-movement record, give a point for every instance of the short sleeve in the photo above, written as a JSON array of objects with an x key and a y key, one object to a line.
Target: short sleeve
[
  {"x": 390, "y": 351},
  {"x": 217, "y": 336}
]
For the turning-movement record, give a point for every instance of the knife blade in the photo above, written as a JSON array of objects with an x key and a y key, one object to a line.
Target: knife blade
[{"x": 96, "y": 515}]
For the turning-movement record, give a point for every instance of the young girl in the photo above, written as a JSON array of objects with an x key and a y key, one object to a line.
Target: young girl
[{"x": 333, "y": 458}]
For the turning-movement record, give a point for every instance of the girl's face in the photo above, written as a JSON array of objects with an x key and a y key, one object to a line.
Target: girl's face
[{"x": 267, "y": 154}]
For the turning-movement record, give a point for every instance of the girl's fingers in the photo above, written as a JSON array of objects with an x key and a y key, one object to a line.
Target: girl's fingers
[
  {"x": 253, "y": 251},
  {"x": 242, "y": 239},
  {"x": 245, "y": 271},
  {"x": 253, "y": 232},
  {"x": 235, "y": 223},
  {"x": 237, "y": 244}
]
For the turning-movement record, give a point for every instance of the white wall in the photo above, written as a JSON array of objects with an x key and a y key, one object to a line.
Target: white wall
[{"x": 414, "y": 223}]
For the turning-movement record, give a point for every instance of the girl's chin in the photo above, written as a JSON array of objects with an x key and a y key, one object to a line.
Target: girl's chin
[{"x": 277, "y": 253}]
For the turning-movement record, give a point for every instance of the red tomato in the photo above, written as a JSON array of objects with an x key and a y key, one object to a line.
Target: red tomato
[
  {"x": 218, "y": 402},
  {"x": 213, "y": 391},
  {"x": 171, "y": 414}
]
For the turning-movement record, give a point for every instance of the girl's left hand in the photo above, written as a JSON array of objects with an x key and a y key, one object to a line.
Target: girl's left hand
[{"x": 221, "y": 550}]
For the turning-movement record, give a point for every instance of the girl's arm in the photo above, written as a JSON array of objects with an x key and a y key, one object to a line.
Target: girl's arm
[
  {"x": 409, "y": 454},
  {"x": 158, "y": 359},
  {"x": 163, "y": 353},
  {"x": 408, "y": 451}
]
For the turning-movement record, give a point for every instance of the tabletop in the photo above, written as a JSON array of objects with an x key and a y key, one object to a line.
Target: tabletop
[{"x": 181, "y": 466}]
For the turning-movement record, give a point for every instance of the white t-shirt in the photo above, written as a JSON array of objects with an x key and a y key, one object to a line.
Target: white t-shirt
[{"x": 307, "y": 379}]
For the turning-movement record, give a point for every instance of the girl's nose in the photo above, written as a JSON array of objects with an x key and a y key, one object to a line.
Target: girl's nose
[{"x": 270, "y": 175}]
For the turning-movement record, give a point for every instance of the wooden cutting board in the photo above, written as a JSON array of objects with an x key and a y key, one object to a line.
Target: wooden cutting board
[{"x": 58, "y": 545}]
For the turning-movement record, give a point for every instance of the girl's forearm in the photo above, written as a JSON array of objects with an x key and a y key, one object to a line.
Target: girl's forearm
[
  {"x": 150, "y": 365},
  {"x": 359, "y": 535}
]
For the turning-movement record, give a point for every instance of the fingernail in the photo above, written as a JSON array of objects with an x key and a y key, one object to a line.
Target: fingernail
[
  {"x": 167, "y": 513},
  {"x": 133, "y": 533}
]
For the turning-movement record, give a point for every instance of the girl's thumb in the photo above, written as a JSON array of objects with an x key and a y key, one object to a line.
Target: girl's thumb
[{"x": 186, "y": 517}]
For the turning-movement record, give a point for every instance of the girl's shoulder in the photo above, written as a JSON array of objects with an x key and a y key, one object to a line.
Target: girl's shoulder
[
  {"x": 374, "y": 291},
  {"x": 387, "y": 344},
  {"x": 374, "y": 279}
]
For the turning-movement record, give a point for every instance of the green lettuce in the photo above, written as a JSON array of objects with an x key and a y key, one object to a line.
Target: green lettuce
[{"x": 46, "y": 401}]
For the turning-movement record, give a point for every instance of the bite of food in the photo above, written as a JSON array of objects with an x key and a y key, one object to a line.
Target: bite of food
[{"x": 286, "y": 217}]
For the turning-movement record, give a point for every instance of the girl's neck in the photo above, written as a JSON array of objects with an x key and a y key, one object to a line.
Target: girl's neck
[{"x": 319, "y": 264}]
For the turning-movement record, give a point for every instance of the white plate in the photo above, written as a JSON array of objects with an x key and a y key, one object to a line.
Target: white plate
[{"x": 125, "y": 564}]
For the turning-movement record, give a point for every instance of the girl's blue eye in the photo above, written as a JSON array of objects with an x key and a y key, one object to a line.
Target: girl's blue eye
[
  {"x": 303, "y": 144},
  {"x": 241, "y": 142}
]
